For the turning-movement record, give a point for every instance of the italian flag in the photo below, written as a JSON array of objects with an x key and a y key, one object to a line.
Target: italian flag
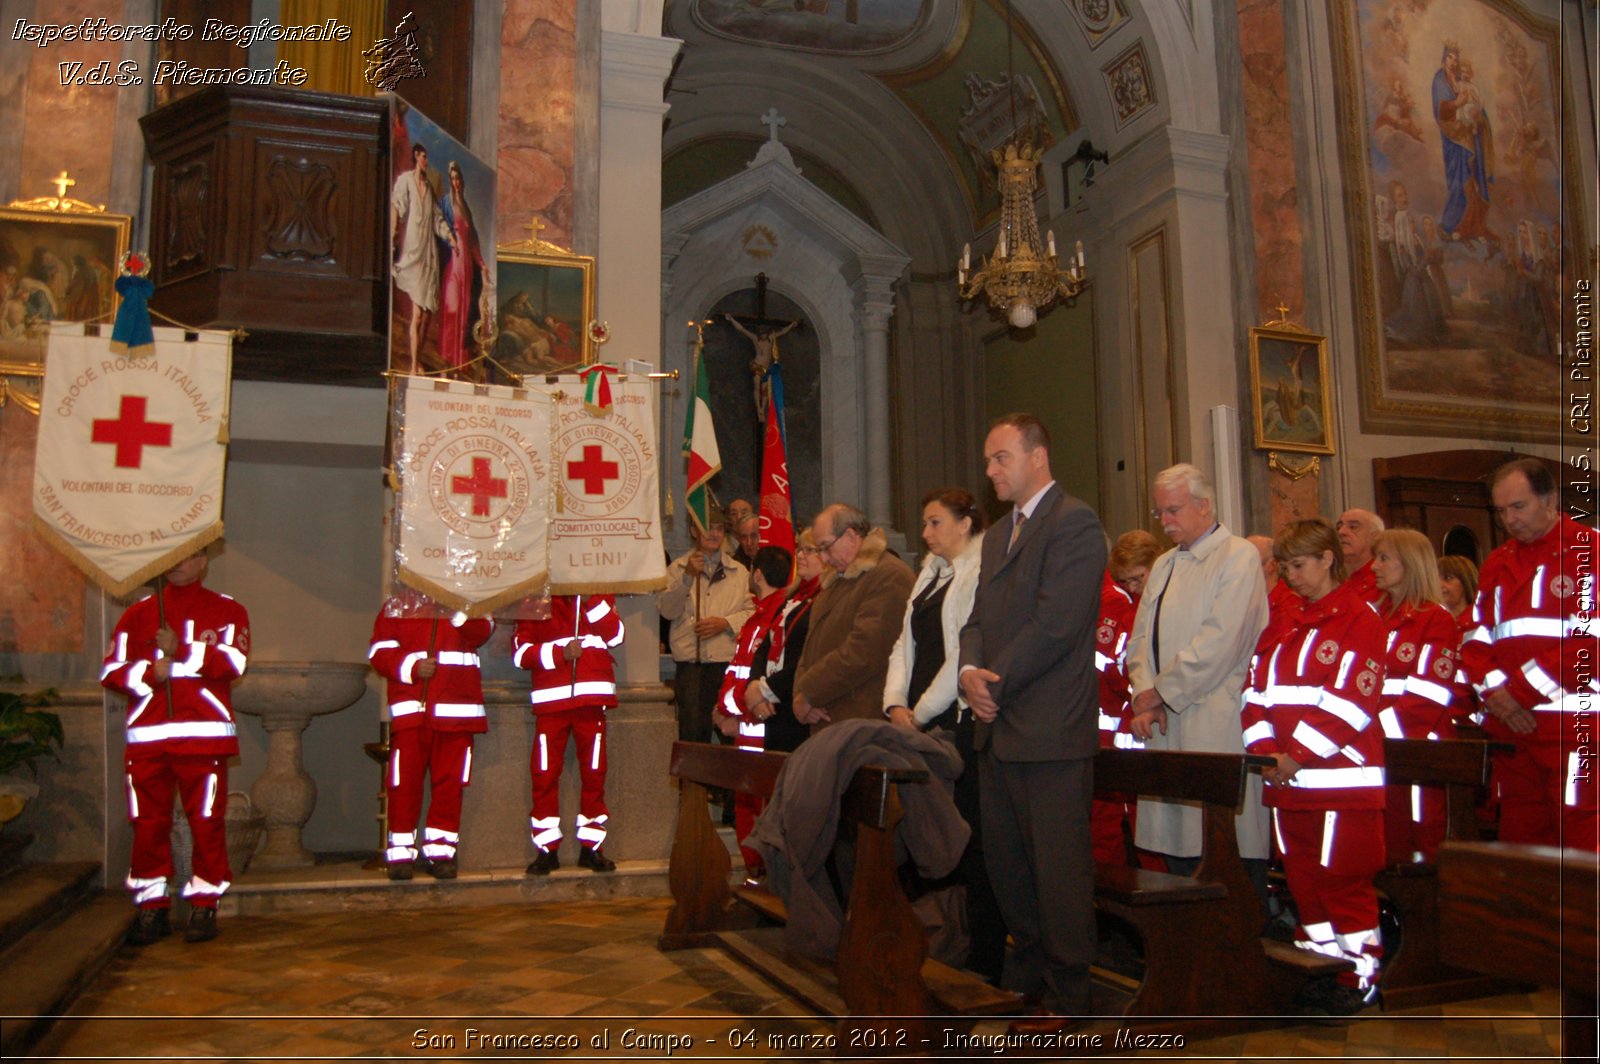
[{"x": 700, "y": 444}]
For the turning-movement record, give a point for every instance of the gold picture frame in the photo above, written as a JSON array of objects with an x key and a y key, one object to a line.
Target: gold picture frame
[
  {"x": 55, "y": 265},
  {"x": 545, "y": 299},
  {"x": 1292, "y": 408}
]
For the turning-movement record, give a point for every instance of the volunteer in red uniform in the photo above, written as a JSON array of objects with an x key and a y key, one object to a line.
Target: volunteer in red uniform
[
  {"x": 1418, "y": 680},
  {"x": 175, "y": 656},
  {"x": 1283, "y": 605},
  {"x": 1358, "y": 531},
  {"x": 1458, "y": 587},
  {"x": 770, "y": 569},
  {"x": 1312, "y": 704},
  {"x": 1532, "y": 659},
  {"x": 435, "y": 708},
  {"x": 574, "y": 683},
  {"x": 1127, "y": 569}
]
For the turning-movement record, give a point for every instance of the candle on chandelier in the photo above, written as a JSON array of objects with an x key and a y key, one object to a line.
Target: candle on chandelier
[
  {"x": 1050, "y": 238},
  {"x": 1002, "y": 249},
  {"x": 966, "y": 256},
  {"x": 1080, "y": 254}
]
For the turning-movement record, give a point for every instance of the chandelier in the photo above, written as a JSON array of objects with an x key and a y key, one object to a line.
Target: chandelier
[{"x": 1024, "y": 273}]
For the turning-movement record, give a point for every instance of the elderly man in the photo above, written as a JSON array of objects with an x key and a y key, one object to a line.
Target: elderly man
[
  {"x": 736, "y": 511},
  {"x": 855, "y": 622},
  {"x": 747, "y": 533},
  {"x": 1358, "y": 533},
  {"x": 1203, "y": 608},
  {"x": 1027, "y": 671},
  {"x": 1283, "y": 605},
  {"x": 707, "y": 599},
  {"x": 1532, "y": 660}
]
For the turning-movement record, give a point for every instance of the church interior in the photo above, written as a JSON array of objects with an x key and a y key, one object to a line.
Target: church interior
[{"x": 1255, "y": 261}]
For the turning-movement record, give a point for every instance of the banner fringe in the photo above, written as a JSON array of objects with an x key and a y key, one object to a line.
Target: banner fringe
[
  {"x": 446, "y": 597},
  {"x": 122, "y": 589}
]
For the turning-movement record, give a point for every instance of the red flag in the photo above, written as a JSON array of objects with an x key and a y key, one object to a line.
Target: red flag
[{"x": 777, "y": 505}]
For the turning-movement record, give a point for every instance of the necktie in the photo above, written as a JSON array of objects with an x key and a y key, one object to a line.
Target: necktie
[
  {"x": 1016, "y": 530},
  {"x": 1155, "y": 627}
]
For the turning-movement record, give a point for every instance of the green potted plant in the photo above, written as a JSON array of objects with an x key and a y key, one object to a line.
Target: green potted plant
[{"x": 28, "y": 731}]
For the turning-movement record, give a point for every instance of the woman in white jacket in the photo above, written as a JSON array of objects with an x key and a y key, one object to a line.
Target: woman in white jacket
[{"x": 920, "y": 690}]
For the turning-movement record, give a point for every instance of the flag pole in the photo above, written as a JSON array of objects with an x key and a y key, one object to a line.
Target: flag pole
[{"x": 161, "y": 622}]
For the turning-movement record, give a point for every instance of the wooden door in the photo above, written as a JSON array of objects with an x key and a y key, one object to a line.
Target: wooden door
[{"x": 1445, "y": 496}]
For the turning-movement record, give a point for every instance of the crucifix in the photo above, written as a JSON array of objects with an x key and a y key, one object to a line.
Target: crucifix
[
  {"x": 763, "y": 332},
  {"x": 62, "y": 183}
]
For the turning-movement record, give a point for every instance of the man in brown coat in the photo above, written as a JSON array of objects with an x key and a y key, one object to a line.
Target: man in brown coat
[{"x": 855, "y": 622}]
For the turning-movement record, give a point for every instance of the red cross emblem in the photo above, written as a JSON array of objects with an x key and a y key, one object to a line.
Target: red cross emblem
[
  {"x": 594, "y": 470},
  {"x": 481, "y": 485},
  {"x": 131, "y": 433}
]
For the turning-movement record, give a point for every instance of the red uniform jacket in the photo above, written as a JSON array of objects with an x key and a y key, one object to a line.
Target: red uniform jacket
[
  {"x": 452, "y": 699},
  {"x": 214, "y": 642},
  {"x": 1315, "y": 697},
  {"x": 1535, "y": 633},
  {"x": 558, "y": 684},
  {"x": 1117, "y": 608},
  {"x": 1284, "y": 613},
  {"x": 1419, "y": 673}
]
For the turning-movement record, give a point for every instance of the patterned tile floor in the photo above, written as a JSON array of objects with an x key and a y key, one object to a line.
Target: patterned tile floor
[{"x": 587, "y": 980}]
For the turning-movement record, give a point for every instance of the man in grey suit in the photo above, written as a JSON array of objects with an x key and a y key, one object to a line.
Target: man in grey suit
[{"x": 1027, "y": 669}]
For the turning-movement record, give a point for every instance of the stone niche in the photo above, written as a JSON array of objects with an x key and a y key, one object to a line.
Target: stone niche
[{"x": 269, "y": 213}]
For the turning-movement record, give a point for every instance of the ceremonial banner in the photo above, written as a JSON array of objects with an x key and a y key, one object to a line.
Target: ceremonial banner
[
  {"x": 700, "y": 445},
  {"x": 127, "y": 481},
  {"x": 473, "y": 467},
  {"x": 777, "y": 504},
  {"x": 605, "y": 537}
]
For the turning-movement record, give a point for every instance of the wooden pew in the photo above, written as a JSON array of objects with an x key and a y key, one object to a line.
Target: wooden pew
[
  {"x": 882, "y": 968},
  {"x": 1526, "y": 913},
  {"x": 1204, "y": 954},
  {"x": 1414, "y": 974}
]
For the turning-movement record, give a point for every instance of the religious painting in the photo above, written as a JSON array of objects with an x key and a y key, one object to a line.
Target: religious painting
[
  {"x": 1289, "y": 397},
  {"x": 835, "y": 27},
  {"x": 55, "y": 266},
  {"x": 546, "y": 305},
  {"x": 1463, "y": 214},
  {"x": 442, "y": 232}
]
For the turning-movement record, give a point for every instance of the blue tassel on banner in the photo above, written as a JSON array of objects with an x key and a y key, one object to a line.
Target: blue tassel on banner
[{"x": 132, "y": 334}]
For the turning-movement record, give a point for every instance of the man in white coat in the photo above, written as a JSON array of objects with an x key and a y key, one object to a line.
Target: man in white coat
[{"x": 1204, "y": 606}]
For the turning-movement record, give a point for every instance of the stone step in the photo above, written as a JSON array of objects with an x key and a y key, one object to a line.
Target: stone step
[
  {"x": 49, "y": 967},
  {"x": 35, "y": 894},
  {"x": 338, "y": 886}
]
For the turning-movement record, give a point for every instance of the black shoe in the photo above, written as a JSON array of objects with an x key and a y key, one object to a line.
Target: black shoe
[
  {"x": 152, "y": 925},
  {"x": 1326, "y": 996},
  {"x": 400, "y": 870},
  {"x": 202, "y": 925},
  {"x": 547, "y": 861},
  {"x": 595, "y": 861},
  {"x": 442, "y": 868}
]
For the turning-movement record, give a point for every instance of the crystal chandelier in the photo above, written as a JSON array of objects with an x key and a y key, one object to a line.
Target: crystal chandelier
[{"x": 1024, "y": 274}]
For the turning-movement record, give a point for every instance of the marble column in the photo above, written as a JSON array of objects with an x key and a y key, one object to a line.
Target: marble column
[
  {"x": 633, "y": 74},
  {"x": 874, "y": 305}
]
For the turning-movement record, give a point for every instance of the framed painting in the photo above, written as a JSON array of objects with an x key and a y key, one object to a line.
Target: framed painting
[
  {"x": 442, "y": 225},
  {"x": 546, "y": 304},
  {"x": 1463, "y": 206},
  {"x": 55, "y": 266},
  {"x": 1291, "y": 405}
]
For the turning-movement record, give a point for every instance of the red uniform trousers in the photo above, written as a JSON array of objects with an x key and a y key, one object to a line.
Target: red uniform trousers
[
  {"x": 1413, "y": 820},
  {"x": 201, "y": 781},
  {"x": 1329, "y": 858},
  {"x": 444, "y": 759},
  {"x": 1547, "y": 795},
  {"x": 551, "y": 730}
]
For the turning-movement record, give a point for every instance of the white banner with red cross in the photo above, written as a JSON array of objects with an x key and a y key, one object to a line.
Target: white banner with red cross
[
  {"x": 472, "y": 465},
  {"x": 128, "y": 477},
  {"x": 605, "y": 534}
]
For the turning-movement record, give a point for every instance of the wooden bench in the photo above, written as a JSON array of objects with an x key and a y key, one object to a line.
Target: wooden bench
[
  {"x": 882, "y": 968},
  {"x": 1526, "y": 913},
  {"x": 1414, "y": 973},
  {"x": 1203, "y": 950}
]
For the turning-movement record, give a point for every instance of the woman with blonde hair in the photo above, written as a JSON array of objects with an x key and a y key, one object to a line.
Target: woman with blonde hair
[
  {"x": 1311, "y": 704},
  {"x": 1419, "y": 678}
]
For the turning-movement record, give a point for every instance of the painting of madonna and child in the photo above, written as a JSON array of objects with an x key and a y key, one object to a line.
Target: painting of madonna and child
[
  {"x": 442, "y": 277},
  {"x": 1459, "y": 202}
]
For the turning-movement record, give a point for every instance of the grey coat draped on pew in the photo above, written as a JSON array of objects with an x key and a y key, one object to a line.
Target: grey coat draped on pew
[{"x": 795, "y": 834}]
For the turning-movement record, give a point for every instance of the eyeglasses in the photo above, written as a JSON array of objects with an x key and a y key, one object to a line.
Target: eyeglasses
[
  {"x": 809, "y": 550},
  {"x": 1169, "y": 511},
  {"x": 828, "y": 545}
]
